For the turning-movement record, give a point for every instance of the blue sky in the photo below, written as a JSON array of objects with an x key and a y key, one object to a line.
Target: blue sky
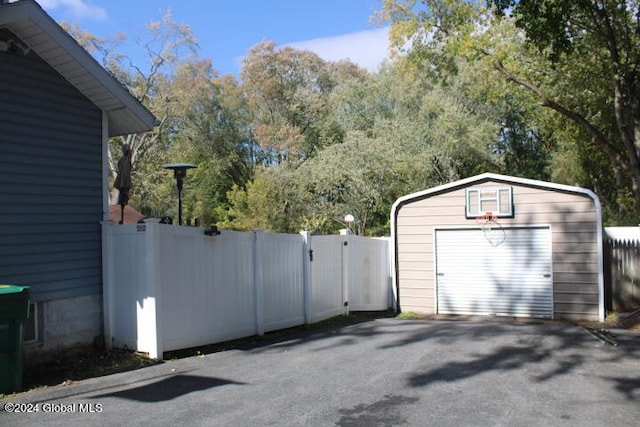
[{"x": 226, "y": 29}]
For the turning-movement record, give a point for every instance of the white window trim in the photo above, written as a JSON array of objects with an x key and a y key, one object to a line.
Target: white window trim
[{"x": 473, "y": 209}]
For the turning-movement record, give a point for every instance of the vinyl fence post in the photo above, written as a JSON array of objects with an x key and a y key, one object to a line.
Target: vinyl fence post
[
  {"x": 149, "y": 309},
  {"x": 306, "y": 274},
  {"x": 257, "y": 280},
  {"x": 346, "y": 272}
]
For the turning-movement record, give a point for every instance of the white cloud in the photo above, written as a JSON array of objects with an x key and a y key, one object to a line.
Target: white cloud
[
  {"x": 76, "y": 8},
  {"x": 368, "y": 48}
]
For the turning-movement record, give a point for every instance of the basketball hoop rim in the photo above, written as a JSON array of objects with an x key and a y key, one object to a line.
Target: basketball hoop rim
[{"x": 488, "y": 217}]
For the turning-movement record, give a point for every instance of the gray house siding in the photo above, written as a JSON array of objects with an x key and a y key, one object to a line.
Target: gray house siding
[
  {"x": 51, "y": 179},
  {"x": 58, "y": 106}
]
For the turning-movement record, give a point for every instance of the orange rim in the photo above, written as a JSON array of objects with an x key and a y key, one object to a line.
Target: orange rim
[{"x": 486, "y": 218}]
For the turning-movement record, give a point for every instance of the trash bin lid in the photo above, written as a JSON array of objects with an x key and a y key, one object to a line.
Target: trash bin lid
[{"x": 12, "y": 289}]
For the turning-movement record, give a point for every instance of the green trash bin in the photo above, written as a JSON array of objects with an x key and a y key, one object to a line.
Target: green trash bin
[{"x": 14, "y": 310}]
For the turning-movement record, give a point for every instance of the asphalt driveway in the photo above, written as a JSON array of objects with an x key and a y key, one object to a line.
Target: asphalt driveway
[{"x": 381, "y": 372}]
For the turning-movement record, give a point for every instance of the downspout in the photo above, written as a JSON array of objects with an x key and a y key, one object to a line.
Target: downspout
[
  {"x": 600, "y": 243},
  {"x": 394, "y": 254}
]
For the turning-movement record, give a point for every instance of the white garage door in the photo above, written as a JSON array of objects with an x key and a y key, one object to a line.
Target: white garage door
[{"x": 509, "y": 273}]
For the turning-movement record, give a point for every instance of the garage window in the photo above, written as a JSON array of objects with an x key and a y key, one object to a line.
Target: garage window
[{"x": 497, "y": 200}]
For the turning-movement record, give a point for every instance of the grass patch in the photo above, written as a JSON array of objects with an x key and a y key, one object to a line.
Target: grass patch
[{"x": 408, "y": 315}]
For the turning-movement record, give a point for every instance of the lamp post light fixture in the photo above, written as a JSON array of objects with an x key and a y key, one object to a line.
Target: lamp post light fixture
[
  {"x": 180, "y": 173},
  {"x": 348, "y": 218}
]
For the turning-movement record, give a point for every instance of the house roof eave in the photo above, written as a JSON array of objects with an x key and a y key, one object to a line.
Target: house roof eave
[{"x": 35, "y": 28}]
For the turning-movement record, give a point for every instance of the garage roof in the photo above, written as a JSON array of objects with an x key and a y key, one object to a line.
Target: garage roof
[
  {"x": 485, "y": 177},
  {"x": 28, "y": 21}
]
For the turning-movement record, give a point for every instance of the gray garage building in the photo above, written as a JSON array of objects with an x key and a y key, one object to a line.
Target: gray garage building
[{"x": 499, "y": 245}]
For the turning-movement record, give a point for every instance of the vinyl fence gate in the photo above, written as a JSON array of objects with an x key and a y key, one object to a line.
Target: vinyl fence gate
[{"x": 168, "y": 287}]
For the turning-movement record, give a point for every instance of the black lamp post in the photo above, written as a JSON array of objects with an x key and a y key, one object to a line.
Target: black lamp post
[{"x": 180, "y": 173}]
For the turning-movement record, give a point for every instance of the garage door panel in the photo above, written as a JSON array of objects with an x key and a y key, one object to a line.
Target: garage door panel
[{"x": 474, "y": 276}]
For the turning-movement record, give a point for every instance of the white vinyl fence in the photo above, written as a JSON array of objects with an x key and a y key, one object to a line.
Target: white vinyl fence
[{"x": 168, "y": 287}]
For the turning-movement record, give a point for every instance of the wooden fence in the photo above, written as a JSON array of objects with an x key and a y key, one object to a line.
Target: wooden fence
[{"x": 622, "y": 262}]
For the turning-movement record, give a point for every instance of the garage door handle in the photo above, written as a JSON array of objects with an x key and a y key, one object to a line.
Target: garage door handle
[
  {"x": 440, "y": 274},
  {"x": 546, "y": 275}
]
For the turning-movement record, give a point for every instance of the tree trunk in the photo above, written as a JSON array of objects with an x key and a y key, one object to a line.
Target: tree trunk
[{"x": 621, "y": 164}]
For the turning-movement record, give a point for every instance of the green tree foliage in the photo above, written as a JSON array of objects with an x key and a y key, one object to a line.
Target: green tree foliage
[
  {"x": 211, "y": 130},
  {"x": 527, "y": 138},
  {"x": 349, "y": 178},
  {"x": 437, "y": 136},
  {"x": 272, "y": 201},
  {"x": 399, "y": 136},
  {"x": 596, "y": 46},
  {"x": 578, "y": 59}
]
